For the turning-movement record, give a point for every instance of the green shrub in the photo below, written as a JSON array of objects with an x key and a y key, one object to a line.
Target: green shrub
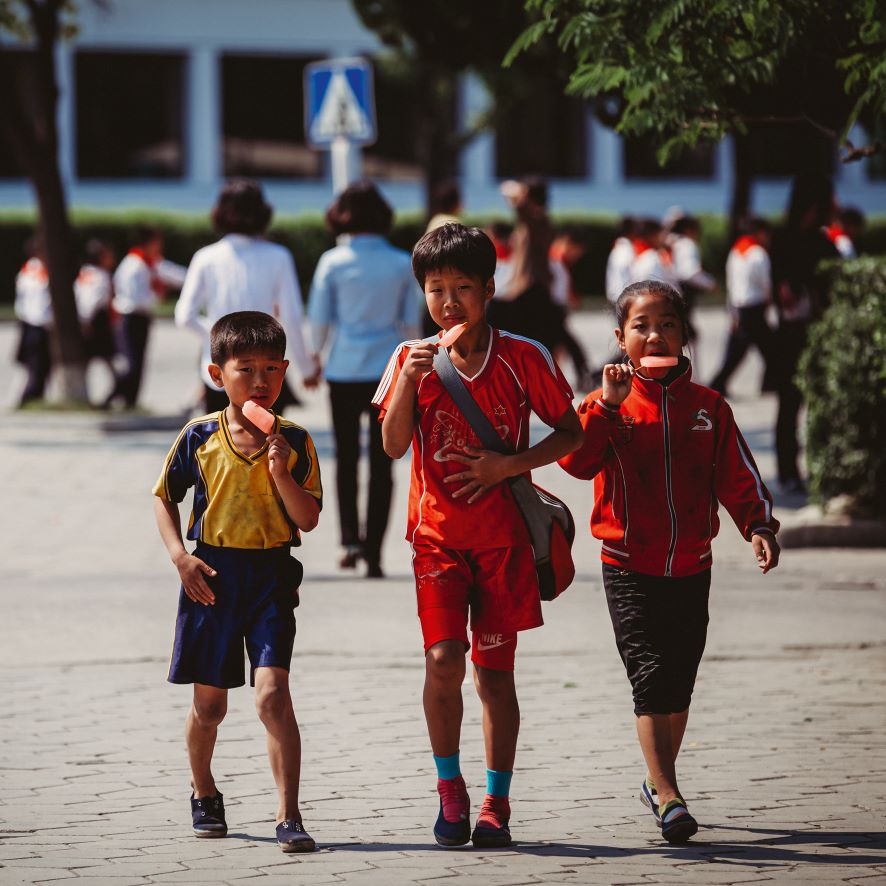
[{"x": 843, "y": 378}]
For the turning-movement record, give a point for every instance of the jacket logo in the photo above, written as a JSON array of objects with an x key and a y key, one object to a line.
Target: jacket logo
[
  {"x": 702, "y": 421},
  {"x": 625, "y": 428}
]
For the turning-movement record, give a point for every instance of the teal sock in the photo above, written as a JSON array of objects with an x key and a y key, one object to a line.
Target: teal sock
[
  {"x": 498, "y": 783},
  {"x": 448, "y": 767}
]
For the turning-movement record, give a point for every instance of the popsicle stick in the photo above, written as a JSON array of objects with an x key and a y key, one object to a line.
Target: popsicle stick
[
  {"x": 655, "y": 362},
  {"x": 451, "y": 335},
  {"x": 259, "y": 416}
]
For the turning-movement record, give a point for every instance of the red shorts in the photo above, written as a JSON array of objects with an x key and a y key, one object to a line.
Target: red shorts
[{"x": 498, "y": 587}]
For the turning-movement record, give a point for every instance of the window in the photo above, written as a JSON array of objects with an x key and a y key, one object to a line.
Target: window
[
  {"x": 17, "y": 65},
  {"x": 545, "y": 133},
  {"x": 263, "y": 112},
  {"x": 396, "y": 154},
  {"x": 129, "y": 110},
  {"x": 640, "y": 160}
]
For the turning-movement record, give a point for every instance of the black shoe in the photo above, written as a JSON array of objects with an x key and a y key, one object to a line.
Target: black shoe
[
  {"x": 351, "y": 557},
  {"x": 208, "y": 815},
  {"x": 292, "y": 837},
  {"x": 374, "y": 570}
]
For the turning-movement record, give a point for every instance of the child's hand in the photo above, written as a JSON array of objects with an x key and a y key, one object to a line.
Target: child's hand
[
  {"x": 617, "y": 381},
  {"x": 191, "y": 569},
  {"x": 419, "y": 361},
  {"x": 766, "y": 550},
  {"x": 278, "y": 455},
  {"x": 484, "y": 470}
]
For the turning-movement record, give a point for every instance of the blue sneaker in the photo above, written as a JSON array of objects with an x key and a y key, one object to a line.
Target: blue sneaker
[
  {"x": 649, "y": 798},
  {"x": 208, "y": 816},
  {"x": 453, "y": 827},
  {"x": 677, "y": 825},
  {"x": 292, "y": 837}
]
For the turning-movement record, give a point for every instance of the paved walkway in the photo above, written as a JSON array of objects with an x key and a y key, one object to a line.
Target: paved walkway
[{"x": 784, "y": 764}]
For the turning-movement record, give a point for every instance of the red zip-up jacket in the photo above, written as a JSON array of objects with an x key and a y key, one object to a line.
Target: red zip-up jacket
[{"x": 661, "y": 463}]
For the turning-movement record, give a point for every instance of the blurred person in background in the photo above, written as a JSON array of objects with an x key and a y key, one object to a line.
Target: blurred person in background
[
  {"x": 621, "y": 258},
  {"x": 748, "y": 295},
  {"x": 140, "y": 283},
  {"x": 364, "y": 301},
  {"x": 566, "y": 251},
  {"x": 845, "y": 229},
  {"x": 652, "y": 261},
  {"x": 244, "y": 272},
  {"x": 685, "y": 236},
  {"x": 33, "y": 310},
  {"x": 93, "y": 291},
  {"x": 446, "y": 205},
  {"x": 801, "y": 295}
]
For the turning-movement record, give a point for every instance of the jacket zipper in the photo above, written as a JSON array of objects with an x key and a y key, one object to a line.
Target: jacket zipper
[{"x": 667, "y": 454}]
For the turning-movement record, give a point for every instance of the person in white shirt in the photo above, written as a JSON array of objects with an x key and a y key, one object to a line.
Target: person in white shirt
[
  {"x": 244, "y": 272},
  {"x": 93, "y": 289},
  {"x": 33, "y": 310},
  {"x": 845, "y": 229},
  {"x": 749, "y": 292},
  {"x": 621, "y": 257},
  {"x": 365, "y": 299},
  {"x": 140, "y": 282},
  {"x": 686, "y": 264},
  {"x": 651, "y": 260}
]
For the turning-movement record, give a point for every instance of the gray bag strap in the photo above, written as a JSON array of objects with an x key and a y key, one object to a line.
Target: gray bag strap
[{"x": 452, "y": 381}]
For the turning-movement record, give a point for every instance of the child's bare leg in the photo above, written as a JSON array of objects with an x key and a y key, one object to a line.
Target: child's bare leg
[
  {"x": 444, "y": 708},
  {"x": 274, "y": 705},
  {"x": 678, "y": 728},
  {"x": 656, "y": 742},
  {"x": 501, "y": 716},
  {"x": 208, "y": 709}
]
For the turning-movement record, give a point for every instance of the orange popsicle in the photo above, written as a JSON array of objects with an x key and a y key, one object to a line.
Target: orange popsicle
[
  {"x": 259, "y": 416},
  {"x": 449, "y": 337},
  {"x": 654, "y": 362}
]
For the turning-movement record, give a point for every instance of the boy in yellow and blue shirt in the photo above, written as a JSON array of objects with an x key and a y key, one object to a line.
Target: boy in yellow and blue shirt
[{"x": 253, "y": 495}]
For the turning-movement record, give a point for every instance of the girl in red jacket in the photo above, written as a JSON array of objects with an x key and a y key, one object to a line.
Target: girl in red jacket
[{"x": 663, "y": 452}]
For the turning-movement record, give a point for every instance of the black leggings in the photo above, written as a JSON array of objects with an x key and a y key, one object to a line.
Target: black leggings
[
  {"x": 660, "y": 631},
  {"x": 349, "y": 401}
]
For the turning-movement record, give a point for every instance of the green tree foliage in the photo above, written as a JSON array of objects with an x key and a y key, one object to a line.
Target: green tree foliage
[
  {"x": 692, "y": 71},
  {"x": 843, "y": 378}
]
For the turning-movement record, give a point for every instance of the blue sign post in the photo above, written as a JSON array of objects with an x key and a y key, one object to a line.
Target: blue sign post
[{"x": 340, "y": 113}]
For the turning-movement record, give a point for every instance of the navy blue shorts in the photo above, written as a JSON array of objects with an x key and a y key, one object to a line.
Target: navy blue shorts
[
  {"x": 660, "y": 627},
  {"x": 255, "y": 594}
]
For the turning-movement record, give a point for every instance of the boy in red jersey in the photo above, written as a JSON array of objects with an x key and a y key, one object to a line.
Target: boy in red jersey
[{"x": 471, "y": 548}]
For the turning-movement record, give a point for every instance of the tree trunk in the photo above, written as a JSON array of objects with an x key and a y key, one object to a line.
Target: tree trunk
[
  {"x": 436, "y": 148},
  {"x": 741, "y": 183}
]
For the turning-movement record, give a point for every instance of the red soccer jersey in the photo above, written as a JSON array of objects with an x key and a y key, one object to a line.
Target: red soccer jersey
[{"x": 519, "y": 376}]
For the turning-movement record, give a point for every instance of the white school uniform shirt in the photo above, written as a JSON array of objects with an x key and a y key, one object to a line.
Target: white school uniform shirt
[
  {"x": 845, "y": 246},
  {"x": 618, "y": 268},
  {"x": 687, "y": 264},
  {"x": 92, "y": 291},
  {"x": 33, "y": 304},
  {"x": 748, "y": 277},
  {"x": 133, "y": 293},
  {"x": 242, "y": 273},
  {"x": 649, "y": 265}
]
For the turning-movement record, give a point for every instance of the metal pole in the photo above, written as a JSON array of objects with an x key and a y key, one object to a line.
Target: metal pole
[{"x": 346, "y": 162}]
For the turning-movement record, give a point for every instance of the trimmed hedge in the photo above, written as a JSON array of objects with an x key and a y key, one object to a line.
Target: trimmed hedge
[
  {"x": 307, "y": 239},
  {"x": 843, "y": 378}
]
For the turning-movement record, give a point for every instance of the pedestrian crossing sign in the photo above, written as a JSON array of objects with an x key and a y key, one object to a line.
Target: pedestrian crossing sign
[{"x": 339, "y": 102}]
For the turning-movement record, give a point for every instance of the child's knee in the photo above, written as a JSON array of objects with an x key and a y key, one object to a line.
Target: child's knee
[
  {"x": 494, "y": 686},
  {"x": 209, "y": 712},
  {"x": 445, "y": 662},
  {"x": 272, "y": 701}
]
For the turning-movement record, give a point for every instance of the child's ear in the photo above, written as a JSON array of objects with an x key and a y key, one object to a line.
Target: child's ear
[
  {"x": 490, "y": 288},
  {"x": 285, "y": 366},
  {"x": 620, "y": 338},
  {"x": 215, "y": 374}
]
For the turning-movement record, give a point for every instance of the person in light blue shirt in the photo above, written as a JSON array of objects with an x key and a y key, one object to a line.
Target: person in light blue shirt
[{"x": 363, "y": 302}]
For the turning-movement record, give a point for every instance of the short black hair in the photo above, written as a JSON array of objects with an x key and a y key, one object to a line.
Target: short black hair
[
  {"x": 685, "y": 224},
  {"x": 536, "y": 190},
  {"x": 447, "y": 197},
  {"x": 359, "y": 209},
  {"x": 652, "y": 287},
  {"x": 756, "y": 224},
  {"x": 244, "y": 331},
  {"x": 145, "y": 233},
  {"x": 468, "y": 250},
  {"x": 241, "y": 208}
]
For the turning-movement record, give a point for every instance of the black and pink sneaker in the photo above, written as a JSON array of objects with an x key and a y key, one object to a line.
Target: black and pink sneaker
[
  {"x": 453, "y": 827},
  {"x": 491, "y": 830}
]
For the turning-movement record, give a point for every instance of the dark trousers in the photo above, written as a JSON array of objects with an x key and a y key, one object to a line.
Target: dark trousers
[
  {"x": 132, "y": 343},
  {"x": 749, "y": 328},
  {"x": 789, "y": 345},
  {"x": 33, "y": 353},
  {"x": 350, "y": 400}
]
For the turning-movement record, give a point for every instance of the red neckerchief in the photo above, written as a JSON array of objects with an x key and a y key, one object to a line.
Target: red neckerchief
[
  {"x": 834, "y": 231},
  {"x": 502, "y": 251},
  {"x": 744, "y": 243},
  {"x": 33, "y": 267},
  {"x": 156, "y": 283},
  {"x": 640, "y": 246}
]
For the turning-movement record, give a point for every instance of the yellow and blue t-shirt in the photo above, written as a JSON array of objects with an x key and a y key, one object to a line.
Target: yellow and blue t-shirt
[{"x": 236, "y": 503}]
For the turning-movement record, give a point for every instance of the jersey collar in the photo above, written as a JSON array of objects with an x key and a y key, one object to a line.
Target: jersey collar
[
  {"x": 676, "y": 381},
  {"x": 229, "y": 439}
]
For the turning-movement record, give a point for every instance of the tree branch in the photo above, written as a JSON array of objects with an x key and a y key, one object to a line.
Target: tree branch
[{"x": 854, "y": 154}]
